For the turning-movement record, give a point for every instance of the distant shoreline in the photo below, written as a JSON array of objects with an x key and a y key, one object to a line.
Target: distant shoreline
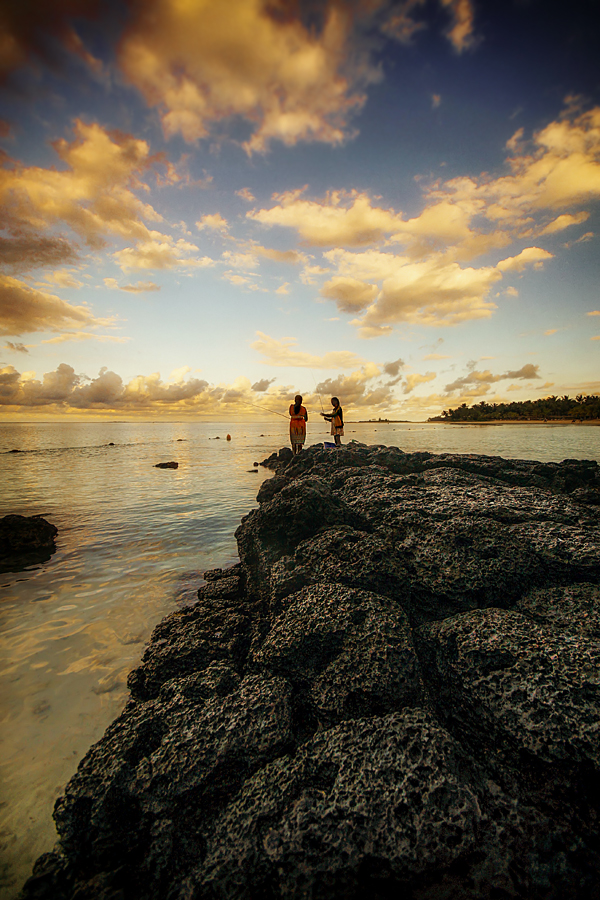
[{"x": 520, "y": 422}]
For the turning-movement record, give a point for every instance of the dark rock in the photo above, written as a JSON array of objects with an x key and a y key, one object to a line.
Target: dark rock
[
  {"x": 167, "y": 465},
  {"x": 111, "y": 444},
  {"x": 25, "y": 541},
  {"x": 394, "y": 693}
]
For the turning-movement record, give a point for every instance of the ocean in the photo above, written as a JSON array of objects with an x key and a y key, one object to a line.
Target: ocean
[{"x": 133, "y": 543}]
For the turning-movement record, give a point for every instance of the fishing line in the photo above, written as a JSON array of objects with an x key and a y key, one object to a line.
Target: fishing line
[
  {"x": 266, "y": 408},
  {"x": 317, "y": 390}
]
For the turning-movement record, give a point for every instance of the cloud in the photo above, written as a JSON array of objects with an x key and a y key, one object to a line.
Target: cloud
[
  {"x": 530, "y": 255},
  {"x": 246, "y": 194},
  {"x": 137, "y": 288},
  {"x": 286, "y": 256},
  {"x": 86, "y": 336},
  {"x": 402, "y": 26},
  {"x": 62, "y": 278},
  {"x": 461, "y": 31},
  {"x": 31, "y": 251},
  {"x": 214, "y": 222},
  {"x": 350, "y": 294},
  {"x": 26, "y": 36},
  {"x": 527, "y": 371},
  {"x": 436, "y": 356},
  {"x": 16, "y": 347},
  {"x": 24, "y": 310},
  {"x": 342, "y": 219},
  {"x": 283, "y": 288},
  {"x": 483, "y": 380},
  {"x": 594, "y": 312},
  {"x": 463, "y": 217},
  {"x": 358, "y": 389},
  {"x": 550, "y": 332},
  {"x": 160, "y": 251},
  {"x": 565, "y": 221},
  {"x": 289, "y": 80},
  {"x": 393, "y": 368},
  {"x": 93, "y": 194},
  {"x": 412, "y": 381},
  {"x": 283, "y": 353},
  {"x": 262, "y": 385},
  {"x": 431, "y": 292},
  {"x": 436, "y": 99}
]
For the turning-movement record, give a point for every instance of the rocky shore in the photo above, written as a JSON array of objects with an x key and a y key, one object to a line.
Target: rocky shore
[{"x": 394, "y": 694}]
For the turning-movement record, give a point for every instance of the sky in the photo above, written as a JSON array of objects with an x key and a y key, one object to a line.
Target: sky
[{"x": 209, "y": 207}]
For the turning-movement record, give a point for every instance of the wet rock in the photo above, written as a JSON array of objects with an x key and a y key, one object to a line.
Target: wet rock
[
  {"x": 394, "y": 693},
  {"x": 25, "y": 541},
  {"x": 167, "y": 465}
]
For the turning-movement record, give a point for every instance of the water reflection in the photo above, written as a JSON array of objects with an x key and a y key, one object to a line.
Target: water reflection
[{"x": 133, "y": 542}]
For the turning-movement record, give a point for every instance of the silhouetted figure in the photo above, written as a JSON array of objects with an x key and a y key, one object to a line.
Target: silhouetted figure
[
  {"x": 298, "y": 420},
  {"x": 337, "y": 421}
]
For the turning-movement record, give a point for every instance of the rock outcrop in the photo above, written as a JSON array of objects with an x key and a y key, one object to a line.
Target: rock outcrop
[
  {"x": 394, "y": 693},
  {"x": 25, "y": 541}
]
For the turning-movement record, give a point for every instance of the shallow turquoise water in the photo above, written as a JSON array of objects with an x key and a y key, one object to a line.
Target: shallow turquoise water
[{"x": 133, "y": 543}]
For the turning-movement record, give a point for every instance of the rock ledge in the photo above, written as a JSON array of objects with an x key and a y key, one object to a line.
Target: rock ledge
[{"x": 395, "y": 693}]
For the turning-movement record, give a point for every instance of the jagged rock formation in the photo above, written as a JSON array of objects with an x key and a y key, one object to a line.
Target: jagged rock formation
[
  {"x": 25, "y": 541},
  {"x": 395, "y": 693}
]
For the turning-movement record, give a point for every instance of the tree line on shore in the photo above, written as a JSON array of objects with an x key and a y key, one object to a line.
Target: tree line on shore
[{"x": 579, "y": 407}]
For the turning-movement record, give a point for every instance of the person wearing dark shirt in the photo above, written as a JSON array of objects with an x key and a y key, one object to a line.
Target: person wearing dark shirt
[{"x": 336, "y": 417}]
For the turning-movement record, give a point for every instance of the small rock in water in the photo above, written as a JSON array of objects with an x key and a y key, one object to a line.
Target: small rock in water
[
  {"x": 228, "y": 437},
  {"x": 24, "y": 541},
  {"x": 111, "y": 444},
  {"x": 253, "y": 471},
  {"x": 255, "y": 464},
  {"x": 167, "y": 465}
]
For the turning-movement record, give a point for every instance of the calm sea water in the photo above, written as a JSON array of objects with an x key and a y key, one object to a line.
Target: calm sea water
[{"x": 133, "y": 543}]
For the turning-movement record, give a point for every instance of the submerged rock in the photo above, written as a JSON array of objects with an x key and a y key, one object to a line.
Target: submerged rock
[
  {"x": 394, "y": 693},
  {"x": 25, "y": 541}
]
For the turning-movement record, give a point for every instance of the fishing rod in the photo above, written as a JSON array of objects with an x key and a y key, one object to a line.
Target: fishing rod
[{"x": 266, "y": 408}]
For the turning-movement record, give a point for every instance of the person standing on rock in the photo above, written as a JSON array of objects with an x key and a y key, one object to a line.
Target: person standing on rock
[
  {"x": 337, "y": 421},
  {"x": 298, "y": 420}
]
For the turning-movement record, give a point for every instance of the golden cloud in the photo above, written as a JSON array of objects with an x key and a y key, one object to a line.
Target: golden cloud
[
  {"x": 432, "y": 292},
  {"x": 214, "y": 222},
  {"x": 350, "y": 294},
  {"x": 65, "y": 391},
  {"x": 160, "y": 251},
  {"x": 291, "y": 82},
  {"x": 93, "y": 195},
  {"x": 414, "y": 380},
  {"x": 562, "y": 169},
  {"x": 359, "y": 390},
  {"x": 138, "y": 288},
  {"x": 283, "y": 353},
  {"x": 342, "y": 219},
  {"x": 461, "y": 31},
  {"x": 86, "y": 336},
  {"x": 480, "y": 382},
  {"x": 529, "y": 255},
  {"x": 24, "y": 310}
]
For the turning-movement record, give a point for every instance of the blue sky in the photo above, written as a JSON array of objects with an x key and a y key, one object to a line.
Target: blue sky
[{"x": 208, "y": 206}]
